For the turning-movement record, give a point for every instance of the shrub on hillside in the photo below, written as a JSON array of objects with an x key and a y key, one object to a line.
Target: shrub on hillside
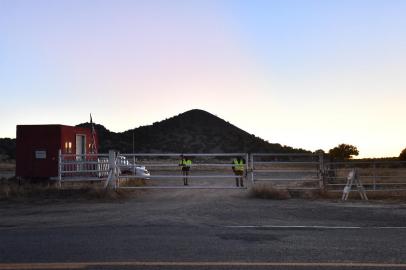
[{"x": 402, "y": 155}]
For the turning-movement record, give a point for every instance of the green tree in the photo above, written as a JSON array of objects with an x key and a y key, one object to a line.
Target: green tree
[
  {"x": 402, "y": 155},
  {"x": 343, "y": 152}
]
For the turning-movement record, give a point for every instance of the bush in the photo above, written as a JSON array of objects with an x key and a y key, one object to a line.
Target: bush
[
  {"x": 402, "y": 155},
  {"x": 343, "y": 152}
]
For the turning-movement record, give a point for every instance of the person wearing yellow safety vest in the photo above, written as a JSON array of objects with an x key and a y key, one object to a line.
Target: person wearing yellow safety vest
[
  {"x": 238, "y": 169},
  {"x": 185, "y": 163}
]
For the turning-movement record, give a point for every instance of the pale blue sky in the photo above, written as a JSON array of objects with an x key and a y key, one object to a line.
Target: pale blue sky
[{"x": 308, "y": 74}]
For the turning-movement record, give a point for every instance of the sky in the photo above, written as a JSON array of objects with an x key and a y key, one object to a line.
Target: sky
[{"x": 306, "y": 73}]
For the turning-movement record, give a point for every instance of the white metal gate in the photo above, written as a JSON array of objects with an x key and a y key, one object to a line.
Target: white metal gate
[
  {"x": 297, "y": 171},
  {"x": 207, "y": 171},
  {"x": 83, "y": 167},
  {"x": 214, "y": 171},
  {"x": 152, "y": 171}
]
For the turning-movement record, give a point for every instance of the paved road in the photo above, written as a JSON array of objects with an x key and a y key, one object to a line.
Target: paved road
[{"x": 202, "y": 230}]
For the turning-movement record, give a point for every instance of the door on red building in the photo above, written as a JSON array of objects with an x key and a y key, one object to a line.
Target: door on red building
[{"x": 80, "y": 150}]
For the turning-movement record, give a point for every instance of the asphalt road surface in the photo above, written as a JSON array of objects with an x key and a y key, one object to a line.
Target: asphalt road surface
[{"x": 202, "y": 229}]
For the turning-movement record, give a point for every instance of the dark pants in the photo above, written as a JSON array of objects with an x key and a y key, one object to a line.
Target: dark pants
[
  {"x": 185, "y": 172},
  {"x": 239, "y": 179}
]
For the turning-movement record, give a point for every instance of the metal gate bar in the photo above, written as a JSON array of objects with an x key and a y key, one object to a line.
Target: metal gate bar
[
  {"x": 141, "y": 159},
  {"x": 287, "y": 168},
  {"x": 179, "y": 187},
  {"x": 376, "y": 175}
]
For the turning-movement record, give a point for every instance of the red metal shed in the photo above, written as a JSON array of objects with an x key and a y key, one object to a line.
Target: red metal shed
[{"x": 38, "y": 146}]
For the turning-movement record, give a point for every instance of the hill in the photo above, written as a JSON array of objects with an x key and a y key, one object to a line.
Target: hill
[{"x": 193, "y": 131}]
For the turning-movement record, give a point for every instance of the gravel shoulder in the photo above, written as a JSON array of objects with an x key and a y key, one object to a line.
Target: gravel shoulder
[
  {"x": 202, "y": 226},
  {"x": 199, "y": 208}
]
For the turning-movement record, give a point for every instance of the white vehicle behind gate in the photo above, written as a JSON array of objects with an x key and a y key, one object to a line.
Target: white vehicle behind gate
[{"x": 126, "y": 167}]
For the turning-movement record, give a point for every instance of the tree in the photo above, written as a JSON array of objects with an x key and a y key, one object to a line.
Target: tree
[
  {"x": 319, "y": 152},
  {"x": 402, "y": 155},
  {"x": 343, "y": 152}
]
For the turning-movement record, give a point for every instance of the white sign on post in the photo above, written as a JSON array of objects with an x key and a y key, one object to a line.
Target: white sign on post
[{"x": 40, "y": 154}]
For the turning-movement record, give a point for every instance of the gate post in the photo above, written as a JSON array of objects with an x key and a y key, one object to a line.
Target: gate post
[
  {"x": 252, "y": 168},
  {"x": 59, "y": 168},
  {"x": 112, "y": 169},
  {"x": 321, "y": 172},
  {"x": 247, "y": 167}
]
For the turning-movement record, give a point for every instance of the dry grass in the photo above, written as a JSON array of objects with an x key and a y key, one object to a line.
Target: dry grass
[
  {"x": 46, "y": 191},
  {"x": 267, "y": 192},
  {"x": 134, "y": 182},
  {"x": 7, "y": 166}
]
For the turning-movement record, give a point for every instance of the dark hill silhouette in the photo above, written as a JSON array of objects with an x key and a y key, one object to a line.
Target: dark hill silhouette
[
  {"x": 7, "y": 149},
  {"x": 193, "y": 131}
]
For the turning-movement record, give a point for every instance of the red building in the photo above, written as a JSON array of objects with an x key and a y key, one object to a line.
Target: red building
[{"x": 38, "y": 146}]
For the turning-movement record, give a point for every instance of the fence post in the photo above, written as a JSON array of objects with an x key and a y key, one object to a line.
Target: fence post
[
  {"x": 322, "y": 183},
  {"x": 117, "y": 171},
  {"x": 252, "y": 168},
  {"x": 112, "y": 169},
  {"x": 59, "y": 168},
  {"x": 246, "y": 169},
  {"x": 374, "y": 171}
]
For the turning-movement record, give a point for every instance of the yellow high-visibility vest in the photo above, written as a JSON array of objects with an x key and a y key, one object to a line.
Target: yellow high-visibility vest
[
  {"x": 238, "y": 165},
  {"x": 185, "y": 162}
]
